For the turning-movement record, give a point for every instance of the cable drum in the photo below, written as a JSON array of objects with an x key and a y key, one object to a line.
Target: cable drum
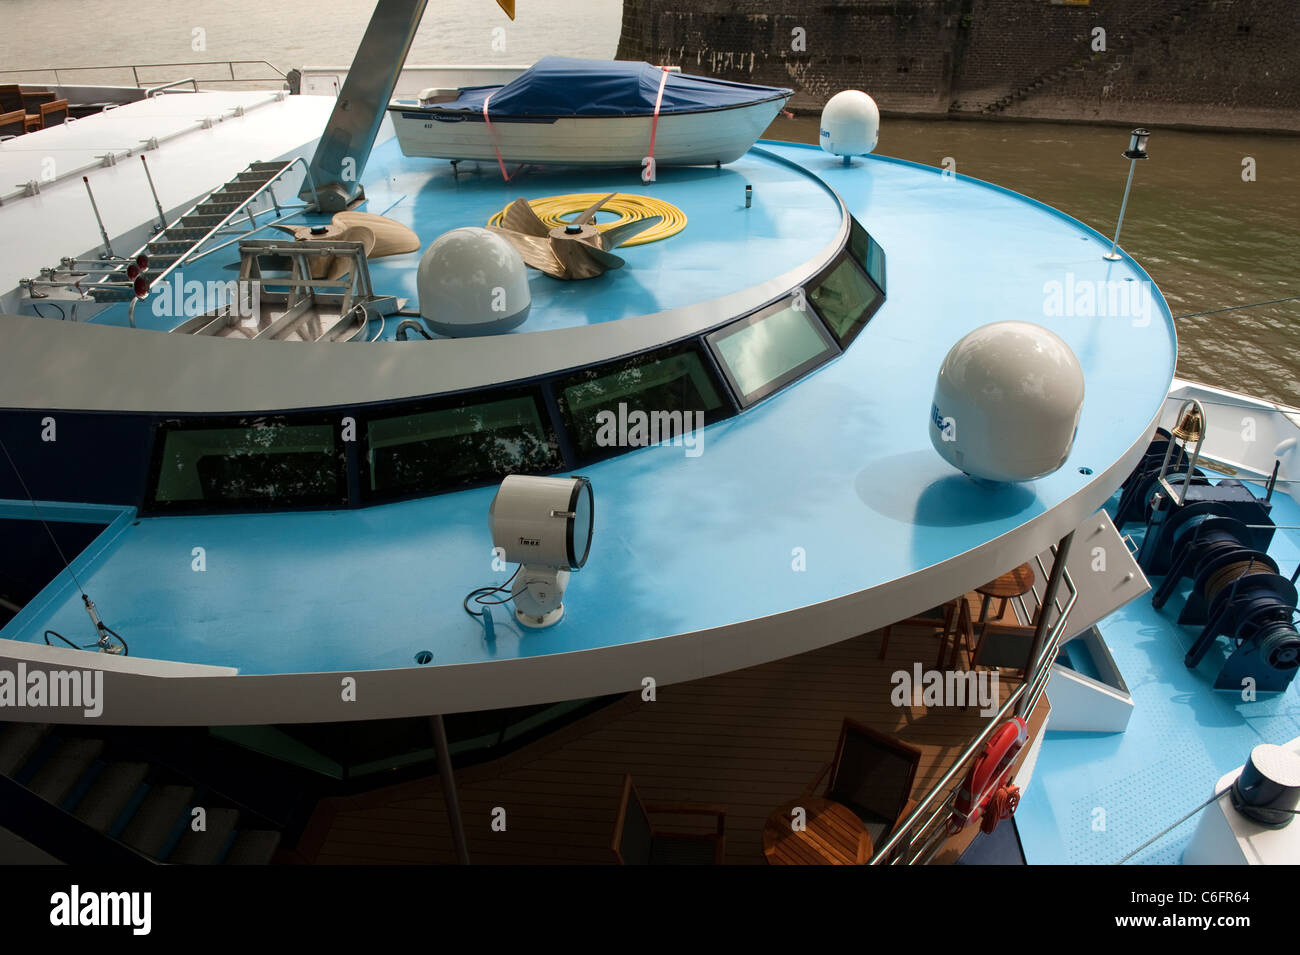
[
  {"x": 1225, "y": 576},
  {"x": 557, "y": 210}
]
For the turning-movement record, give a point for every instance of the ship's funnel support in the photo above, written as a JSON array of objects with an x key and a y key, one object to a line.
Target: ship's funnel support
[{"x": 350, "y": 133}]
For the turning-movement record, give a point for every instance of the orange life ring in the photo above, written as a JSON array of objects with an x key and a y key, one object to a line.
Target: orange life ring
[{"x": 986, "y": 792}]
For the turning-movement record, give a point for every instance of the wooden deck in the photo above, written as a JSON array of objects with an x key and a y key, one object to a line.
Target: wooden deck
[{"x": 748, "y": 740}]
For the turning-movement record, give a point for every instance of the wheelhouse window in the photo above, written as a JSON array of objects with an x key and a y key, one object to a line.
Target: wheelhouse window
[
  {"x": 251, "y": 463},
  {"x": 770, "y": 348},
  {"x": 867, "y": 252},
  {"x": 647, "y": 399},
  {"x": 473, "y": 439},
  {"x": 846, "y": 299}
]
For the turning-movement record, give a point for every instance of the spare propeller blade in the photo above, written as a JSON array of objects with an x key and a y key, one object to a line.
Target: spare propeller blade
[
  {"x": 587, "y": 214},
  {"x": 573, "y": 249},
  {"x": 534, "y": 250},
  {"x": 583, "y": 261},
  {"x": 616, "y": 236},
  {"x": 391, "y": 237},
  {"x": 520, "y": 217}
]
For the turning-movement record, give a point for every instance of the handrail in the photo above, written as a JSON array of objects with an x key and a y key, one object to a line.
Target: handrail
[
  {"x": 948, "y": 777},
  {"x": 1033, "y": 687},
  {"x": 194, "y": 247},
  {"x": 135, "y": 69},
  {"x": 153, "y": 91}
]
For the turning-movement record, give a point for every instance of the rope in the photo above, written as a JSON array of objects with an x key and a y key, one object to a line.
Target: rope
[
  {"x": 1169, "y": 829},
  {"x": 53, "y": 540},
  {"x": 554, "y": 210},
  {"x": 1233, "y": 308},
  {"x": 1000, "y": 806}
]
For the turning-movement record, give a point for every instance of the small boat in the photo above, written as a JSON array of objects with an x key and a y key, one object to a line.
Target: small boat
[{"x": 590, "y": 112}]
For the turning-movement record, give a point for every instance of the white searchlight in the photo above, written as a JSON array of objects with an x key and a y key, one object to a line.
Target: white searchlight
[{"x": 544, "y": 524}]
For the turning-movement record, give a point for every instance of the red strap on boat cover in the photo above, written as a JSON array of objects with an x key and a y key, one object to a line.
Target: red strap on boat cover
[
  {"x": 492, "y": 136},
  {"x": 654, "y": 123}
]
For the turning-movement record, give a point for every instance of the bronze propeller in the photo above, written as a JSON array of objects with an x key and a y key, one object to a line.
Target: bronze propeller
[{"x": 576, "y": 250}]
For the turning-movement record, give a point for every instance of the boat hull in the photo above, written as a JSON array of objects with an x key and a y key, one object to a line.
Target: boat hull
[{"x": 681, "y": 139}]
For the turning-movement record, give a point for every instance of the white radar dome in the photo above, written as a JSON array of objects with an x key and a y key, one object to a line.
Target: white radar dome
[
  {"x": 472, "y": 282},
  {"x": 1007, "y": 402},
  {"x": 850, "y": 124}
]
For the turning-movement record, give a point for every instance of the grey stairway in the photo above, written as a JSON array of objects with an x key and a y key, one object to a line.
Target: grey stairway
[
  {"x": 173, "y": 245},
  {"x": 83, "y": 800}
]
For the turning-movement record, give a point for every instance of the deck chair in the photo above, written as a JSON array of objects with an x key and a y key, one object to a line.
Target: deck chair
[
  {"x": 54, "y": 113},
  {"x": 998, "y": 645},
  {"x": 11, "y": 97},
  {"x": 32, "y": 100},
  {"x": 637, "y": 841},
  {"x": 943, "y": 616},
  {"x": 872, "y": 774},
  {"x": 12, "y": 124}
]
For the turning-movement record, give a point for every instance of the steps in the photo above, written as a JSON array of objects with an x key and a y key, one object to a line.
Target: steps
[
  {"x": 174, "y": 244},
  {"x": 127, "y": 800},
  {"x": 1132, "y": 37}
]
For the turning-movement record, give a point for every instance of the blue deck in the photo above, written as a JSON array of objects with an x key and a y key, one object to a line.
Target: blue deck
[
  {"x": 840, "y": 465},
  {"x": 1181, "y": 738},
  {"x": 792, "y": 218}
]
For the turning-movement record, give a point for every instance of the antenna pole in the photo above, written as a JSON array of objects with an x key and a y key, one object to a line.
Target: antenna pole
[{"x": 1112, "y": 255}]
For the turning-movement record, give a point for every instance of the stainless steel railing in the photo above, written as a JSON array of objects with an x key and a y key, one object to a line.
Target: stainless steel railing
[
  {"x": 910, "y": 844},
  {"x": 61, "y": 72}
]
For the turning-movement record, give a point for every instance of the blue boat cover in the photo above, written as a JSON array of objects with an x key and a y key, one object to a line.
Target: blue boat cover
[{"x": 564, "y": 86}]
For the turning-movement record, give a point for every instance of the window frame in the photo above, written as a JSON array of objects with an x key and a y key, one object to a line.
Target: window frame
[
  {"x": 365, "y": 416},
  {"x": 166, "y": 425},
  {"x": 749, "y": 399},
  {"x": 559, "y": 383},
  {"x": 858, "y": 324}
]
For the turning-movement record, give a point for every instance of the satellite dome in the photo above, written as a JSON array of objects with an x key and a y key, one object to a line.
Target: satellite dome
[
  {"x": 472, "y": 282},
  {"x": 850, "y": 124},
  {"x": 1007, "y": 402}
]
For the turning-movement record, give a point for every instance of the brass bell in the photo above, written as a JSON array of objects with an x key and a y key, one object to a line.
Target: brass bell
[{"x": 1190, "y": 428}]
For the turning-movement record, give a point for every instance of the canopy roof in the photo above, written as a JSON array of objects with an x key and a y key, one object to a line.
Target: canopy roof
[{"x": 564, "y": 86}]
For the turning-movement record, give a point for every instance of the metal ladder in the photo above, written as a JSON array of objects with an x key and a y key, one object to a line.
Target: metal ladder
[{"x": 170, "y": 248}]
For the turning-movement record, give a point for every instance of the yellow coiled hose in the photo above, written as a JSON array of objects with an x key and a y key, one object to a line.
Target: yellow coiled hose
[{"x": 557, "y": 210}]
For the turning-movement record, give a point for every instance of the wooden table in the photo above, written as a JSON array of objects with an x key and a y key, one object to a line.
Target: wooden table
[
  {"x": 832, "y": 835},
  {"x": 1015, "y": 583}
]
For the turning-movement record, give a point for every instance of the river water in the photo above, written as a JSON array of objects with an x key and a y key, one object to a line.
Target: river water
[{"x": 1209, "y": 238}]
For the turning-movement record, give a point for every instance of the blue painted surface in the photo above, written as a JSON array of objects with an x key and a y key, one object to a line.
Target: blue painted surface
[
  {"x": 793, "y": 217},
  {"x": 839, "y": 465},
  {"x": 1181, "y": 738}
]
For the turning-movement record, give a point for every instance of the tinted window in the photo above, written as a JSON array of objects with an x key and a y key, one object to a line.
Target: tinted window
[
  {"x": 764, "y": 351},
  {"x": 436, "y": 447},
  {"x": 867, "y": 252},
  {"x": 249, "y": 463},
  {"x": 845, "y": 299},
  {"x": 638, "y": 401}
]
